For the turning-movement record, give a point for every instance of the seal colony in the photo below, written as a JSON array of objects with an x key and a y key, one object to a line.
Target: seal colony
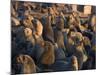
[{"x": 51, "y": 37}]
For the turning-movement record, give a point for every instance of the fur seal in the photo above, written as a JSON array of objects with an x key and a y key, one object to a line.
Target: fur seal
[
  {"x": 28, "y": 64},
  {"x": 29, "y": 36},
  {"x": 48, "y": 34},
  {"x": 48, "y": 56}
]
